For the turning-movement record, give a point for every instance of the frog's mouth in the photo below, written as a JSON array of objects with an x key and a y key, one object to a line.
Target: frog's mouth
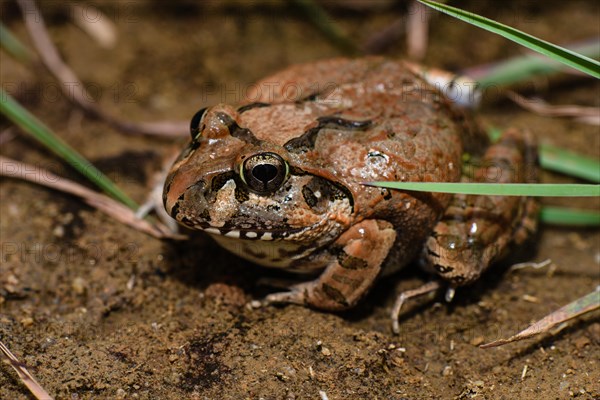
[{"x": 250, "y": 234}]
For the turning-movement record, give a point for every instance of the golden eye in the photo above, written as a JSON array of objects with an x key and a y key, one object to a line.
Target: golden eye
[
  {"x": 196, "y": 122},
  {"x": 264, "y": 173}
]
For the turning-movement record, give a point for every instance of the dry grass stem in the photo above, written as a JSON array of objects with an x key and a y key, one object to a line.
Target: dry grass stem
[
  {"x": 100, "y": 27},
  {"x": 417, "y": 30},
  {"x": 16, "y": 169},
  {"x": 63, "y": 73},
  {"x": 28, "y": 380},
  {"x": 585, "y": 304}
]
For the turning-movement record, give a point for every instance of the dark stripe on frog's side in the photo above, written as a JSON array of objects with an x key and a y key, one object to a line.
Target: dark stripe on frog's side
[
  {"x": 350, "y": 262},
  {"x": 305, "y": 142},
  {"x": 431, "y": 252},
  {"x": 346, "y": 280},
  {"x": 334, "y": 294},
  {"x": 238, "y": 132},
  {"x": 442, "y": 269},
  {"x": 309, "y": 196},
  {"x": 331, "y": 190},
  {"x": 250, "y": 106}
]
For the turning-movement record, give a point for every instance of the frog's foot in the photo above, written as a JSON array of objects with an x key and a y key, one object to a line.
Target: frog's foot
[
  {"x": 351, "y": 270},
  {"x": 409, "y": 294}
]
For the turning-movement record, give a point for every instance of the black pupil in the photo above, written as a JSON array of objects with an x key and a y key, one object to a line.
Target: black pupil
[{"x": 264, "y": 172}]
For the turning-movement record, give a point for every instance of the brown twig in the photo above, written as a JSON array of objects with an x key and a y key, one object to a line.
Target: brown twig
[
  {"x": 590, "y": 115},
  {"x": 64, "y": 74},
  {"x": 417, "y": 30},
  {"x": 28, "y": 380},
  {"x": 16, "y": 169}
]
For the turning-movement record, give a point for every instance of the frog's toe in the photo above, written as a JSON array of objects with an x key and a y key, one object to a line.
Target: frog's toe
[
  {"x": 293, "y": 296},
  {"x": 429, "y": 287}
]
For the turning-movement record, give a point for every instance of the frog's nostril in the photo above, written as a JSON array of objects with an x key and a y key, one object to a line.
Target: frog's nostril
[{"x": 264, "y": 172}]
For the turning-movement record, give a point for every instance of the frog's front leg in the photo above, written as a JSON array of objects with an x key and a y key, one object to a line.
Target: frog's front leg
[
  {"x": 477, "y": 230},
  {"x": 350, "y": 273}
]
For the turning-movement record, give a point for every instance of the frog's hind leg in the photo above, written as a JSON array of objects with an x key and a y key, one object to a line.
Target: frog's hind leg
[
  {"x": 477, "y": 230},
  {"x": 351, "y": 270}
]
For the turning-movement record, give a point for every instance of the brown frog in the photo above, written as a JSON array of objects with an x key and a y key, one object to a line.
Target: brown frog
[{"x": 280, "y": 180}]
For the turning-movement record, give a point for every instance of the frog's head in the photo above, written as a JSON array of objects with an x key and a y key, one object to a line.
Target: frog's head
[{"x": 232, "y": 181}]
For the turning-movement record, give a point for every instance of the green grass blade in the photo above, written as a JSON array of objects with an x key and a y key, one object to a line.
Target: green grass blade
[
  {"x": 30, "y": 124},
  {"x": 565, "y": 56},
  {"x": 520, "y": 69},
  {"x": 569, "y": 216},
  {"x": 13, "y": 46},
  {"x": 498, "y": 189},
  {"x": 566, "y": 162},
  {"x": 559, "y": 160}
]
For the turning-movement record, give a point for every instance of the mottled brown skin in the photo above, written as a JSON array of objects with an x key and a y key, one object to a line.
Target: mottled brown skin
[
  {"x": 477, "y": 230},
  {"x": 328, "y": 127}
]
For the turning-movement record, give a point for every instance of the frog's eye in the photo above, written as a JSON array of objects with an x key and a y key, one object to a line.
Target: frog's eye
[
  {"x": 196, "y": 122},
  {"x": 264, "y": 172}
]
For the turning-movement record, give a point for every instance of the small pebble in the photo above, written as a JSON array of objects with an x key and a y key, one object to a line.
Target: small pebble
[
  {"x": 26, "y": 322},
  {"x": 255, "y": 304},
  {"x": 78, "y": 285},
  {"x": 121, "y": 393},
  {"x": 581, "y": 342},
  {"x": 325, "y": 351},
  {"x": 281, "y": 376},
  {"x": 12, "y": 280},
  {"x": 59, "y": 231},
  {"x": 477, "y": 340}
]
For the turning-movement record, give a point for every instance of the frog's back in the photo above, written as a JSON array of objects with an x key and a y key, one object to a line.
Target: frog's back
[{"x": 403, "y": 128}]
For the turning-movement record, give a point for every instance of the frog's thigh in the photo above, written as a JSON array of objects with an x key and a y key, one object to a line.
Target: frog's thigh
[
  {"x": 476, "y": 230},
  {"x": 349, "y": 276}
]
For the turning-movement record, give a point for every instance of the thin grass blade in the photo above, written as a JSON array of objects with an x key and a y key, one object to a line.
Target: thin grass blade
[
  {"x": 522, "y": 68},
  {"x": 497, "y": 189},
  {"x": 560, "y": 54},
  {"x": 30, "y": 124},
  {"x": 28, "y": 380},
  {"x": 556, "y": 159},
  {"x": 553, "y": 158},
  {"x": 569, "y": 216},
  {"x": 13, "y": 46}
]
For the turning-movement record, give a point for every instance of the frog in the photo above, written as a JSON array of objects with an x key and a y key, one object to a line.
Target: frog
[{"x": 281, "y": 180}]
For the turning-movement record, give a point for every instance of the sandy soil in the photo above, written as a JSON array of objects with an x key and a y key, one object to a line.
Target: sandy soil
[{"x": 98, "y": 310}]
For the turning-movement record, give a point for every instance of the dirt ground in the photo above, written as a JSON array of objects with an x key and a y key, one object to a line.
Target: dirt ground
[{"x": 98, "y": 310}]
